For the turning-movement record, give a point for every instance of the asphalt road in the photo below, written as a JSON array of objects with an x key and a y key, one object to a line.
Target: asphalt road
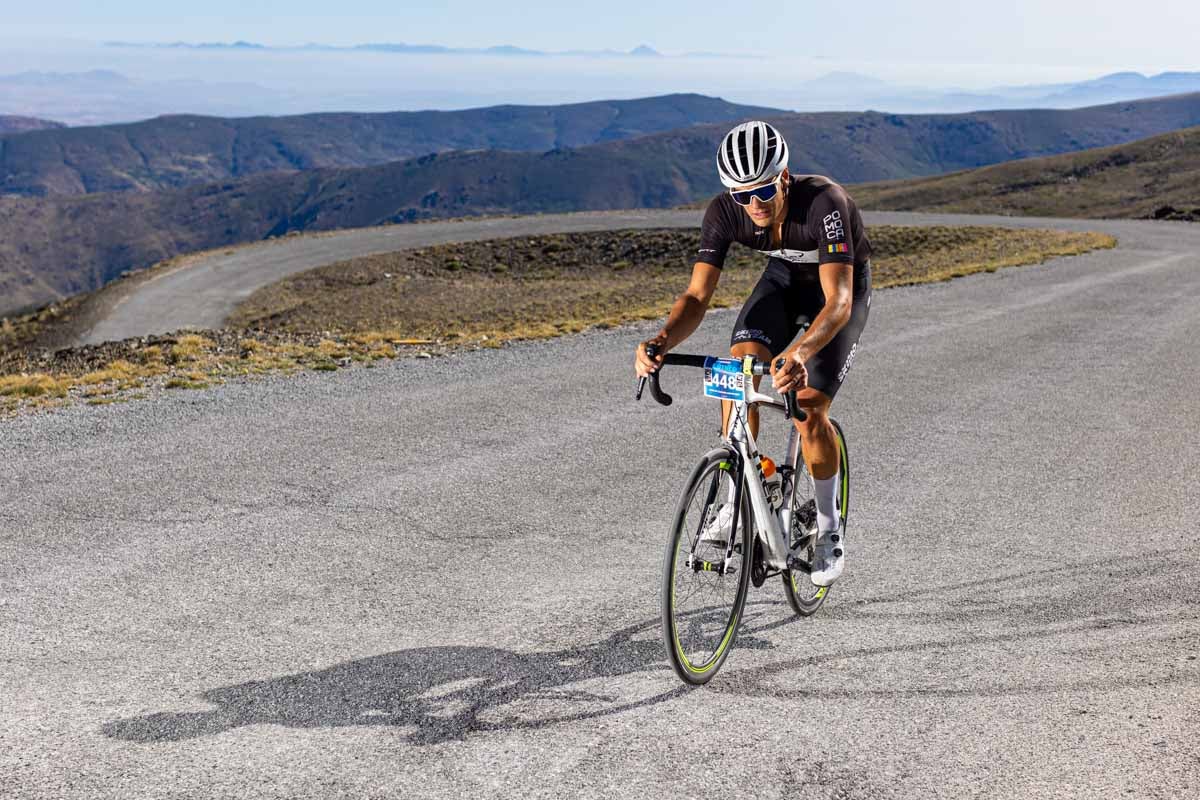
[
  {"x": 438, "y": 578},
  {"x": 206, "y": 292}
]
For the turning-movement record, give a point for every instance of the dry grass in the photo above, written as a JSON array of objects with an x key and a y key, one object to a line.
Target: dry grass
[
  {"x": 190, "y": 348},
  {"x": 36, "y": 385}
]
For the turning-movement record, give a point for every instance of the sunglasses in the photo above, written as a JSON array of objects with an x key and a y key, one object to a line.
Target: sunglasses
[{"x": 764, "y": 193}]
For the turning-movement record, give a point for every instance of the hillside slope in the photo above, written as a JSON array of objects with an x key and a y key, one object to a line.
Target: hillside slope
[
  {"x": 14, "y": 124},
  {"x": 176, "y": 151},
  {"x": 1159, "y": 177}
]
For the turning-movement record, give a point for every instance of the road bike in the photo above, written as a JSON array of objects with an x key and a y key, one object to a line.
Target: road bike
[{"x": 772, "y": 529}]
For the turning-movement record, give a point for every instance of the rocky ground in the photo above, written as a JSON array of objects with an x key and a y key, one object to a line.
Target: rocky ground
[{"x": 1176, "y": 214}]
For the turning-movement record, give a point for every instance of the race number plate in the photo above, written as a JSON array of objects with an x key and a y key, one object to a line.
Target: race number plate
[{"x": 724, "y": 379}]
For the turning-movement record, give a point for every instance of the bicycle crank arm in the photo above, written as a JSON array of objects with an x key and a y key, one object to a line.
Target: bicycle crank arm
[{"x": 797, "y": 564}]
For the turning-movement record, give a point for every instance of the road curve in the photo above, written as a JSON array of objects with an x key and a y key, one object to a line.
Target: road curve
[
  {"x": 204, "y": 293},
  {"x": 438, "y": 578}
]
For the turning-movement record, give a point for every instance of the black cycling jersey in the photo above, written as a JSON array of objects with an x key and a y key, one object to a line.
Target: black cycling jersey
[{"x": 823, "y": 226}]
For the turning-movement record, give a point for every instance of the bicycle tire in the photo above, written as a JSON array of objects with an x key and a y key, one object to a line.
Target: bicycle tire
[
  {"x": 698, "y": 639},
  {"x": 805, "y": 598}
]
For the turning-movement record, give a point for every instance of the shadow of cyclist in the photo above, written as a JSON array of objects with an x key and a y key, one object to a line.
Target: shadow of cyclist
[{"x": 440, "y": 693}]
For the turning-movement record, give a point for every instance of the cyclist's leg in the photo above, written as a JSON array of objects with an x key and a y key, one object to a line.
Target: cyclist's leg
[
  {"x": 826, "y": 371},
  {"x": 818, "y": 440}
]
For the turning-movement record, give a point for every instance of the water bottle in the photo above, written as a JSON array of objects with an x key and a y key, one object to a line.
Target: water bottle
[{"x": 773, "y": 483}]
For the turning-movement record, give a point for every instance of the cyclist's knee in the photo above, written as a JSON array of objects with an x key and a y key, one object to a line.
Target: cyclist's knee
[
  {"x": 816, "y": 408},
  {"x": 750, "y": 348}
]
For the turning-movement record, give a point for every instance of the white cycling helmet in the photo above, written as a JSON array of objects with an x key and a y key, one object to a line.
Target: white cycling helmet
[{"x": 751, "y": 153}]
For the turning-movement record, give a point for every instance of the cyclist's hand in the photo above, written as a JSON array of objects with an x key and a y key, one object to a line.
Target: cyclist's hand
[
  {"x": 643, "y": 365},
  {"x": 791, "y": 376}
]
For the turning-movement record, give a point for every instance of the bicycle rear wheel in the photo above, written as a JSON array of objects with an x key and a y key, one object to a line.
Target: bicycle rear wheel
[
  {"x": 702, "y": 599},
  {"x": 804, "y": 597}
]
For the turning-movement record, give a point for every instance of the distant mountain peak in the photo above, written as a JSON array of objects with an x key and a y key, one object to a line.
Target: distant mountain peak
[
  {"x": 18, "y": 124},
  {"x": 643, "y": 50}
]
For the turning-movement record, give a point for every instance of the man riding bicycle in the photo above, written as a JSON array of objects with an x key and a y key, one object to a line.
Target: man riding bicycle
[{"x": 817, "y": 282}]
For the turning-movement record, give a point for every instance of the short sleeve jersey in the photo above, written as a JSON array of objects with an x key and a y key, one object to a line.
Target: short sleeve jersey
[{"x": 823, "y": 226}]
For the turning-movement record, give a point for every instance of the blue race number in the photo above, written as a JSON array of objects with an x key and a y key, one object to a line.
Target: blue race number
[{"x": 724, "y": 379}]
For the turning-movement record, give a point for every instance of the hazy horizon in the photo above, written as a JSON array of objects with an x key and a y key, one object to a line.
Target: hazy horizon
[
  {"x": 235, "y": 82},
  {"x": 1065, "y": 33}
]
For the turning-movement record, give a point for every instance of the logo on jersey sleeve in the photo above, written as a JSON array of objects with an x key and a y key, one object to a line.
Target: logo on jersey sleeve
[
  {"x": 839, "y": 248},
  {"x": 834, "y": 230}
]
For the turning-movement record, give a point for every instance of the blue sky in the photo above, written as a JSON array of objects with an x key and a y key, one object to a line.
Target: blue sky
[{"x": 1083, "y": 33}]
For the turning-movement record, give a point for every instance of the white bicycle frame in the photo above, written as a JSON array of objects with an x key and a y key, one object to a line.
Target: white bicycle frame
[{"x": 769, "y": 524}]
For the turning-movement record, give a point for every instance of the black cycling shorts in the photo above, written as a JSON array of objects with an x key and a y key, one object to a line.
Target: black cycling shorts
[{"x": 784, "y": 303}]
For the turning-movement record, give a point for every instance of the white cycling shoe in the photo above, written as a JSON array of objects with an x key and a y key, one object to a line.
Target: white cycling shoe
[
  {"x": 829, "y": 556},
  {"x": 716, "y": 531}
]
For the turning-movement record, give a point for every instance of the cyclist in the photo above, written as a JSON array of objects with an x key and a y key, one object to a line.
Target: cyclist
[{"x": 817, "y": 282}]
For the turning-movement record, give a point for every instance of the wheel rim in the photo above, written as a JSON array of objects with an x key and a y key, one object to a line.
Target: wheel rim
[
  {"x": 704, "y": 602},
  {"x": 804, "y": 520}
]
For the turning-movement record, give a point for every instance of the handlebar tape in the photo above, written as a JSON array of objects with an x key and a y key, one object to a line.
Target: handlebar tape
[{"x": 655, "y": 389}]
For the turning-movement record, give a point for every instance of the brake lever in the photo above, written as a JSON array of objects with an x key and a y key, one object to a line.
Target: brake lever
[
  {"x": 655, "y": 390},
  {"x": 789, "y": 398}
]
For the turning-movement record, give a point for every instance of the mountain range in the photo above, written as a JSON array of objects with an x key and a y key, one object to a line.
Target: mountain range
[
  {"x": 641, "y": 51},
  {"x": 51, "y": 247},
  {"x": 178, "y": 151},
  {"x": 175, "y": 151}
]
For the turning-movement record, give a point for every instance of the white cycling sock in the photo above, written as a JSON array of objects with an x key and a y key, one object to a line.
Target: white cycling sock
[{"x": 827, "y": 513}]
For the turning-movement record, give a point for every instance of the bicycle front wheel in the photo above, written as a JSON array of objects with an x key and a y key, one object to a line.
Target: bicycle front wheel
[
  {"x": 702, "y": 596},
  {"x": 804, "y": 597}
]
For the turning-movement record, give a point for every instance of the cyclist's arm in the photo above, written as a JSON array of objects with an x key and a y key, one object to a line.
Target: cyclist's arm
[
  {"x": 830, "y": 216},
  {"x": 689, "y": 307},
  {"x": 716, "y": 234},
  {"x": 686, "y": 314},
  {"x": 837, "y": 281}
]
